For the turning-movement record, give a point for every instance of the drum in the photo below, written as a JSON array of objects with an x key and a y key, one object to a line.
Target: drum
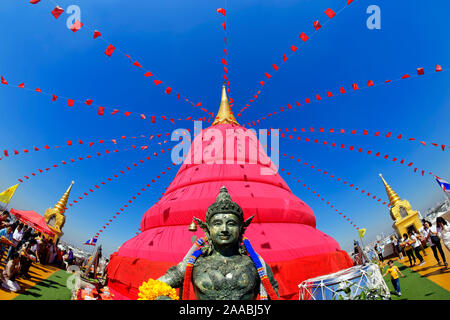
[{"x": 358, "y": 282}]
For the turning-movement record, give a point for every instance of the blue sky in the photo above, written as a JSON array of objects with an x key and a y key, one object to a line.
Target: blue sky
[{"x": 182, "y": 43}]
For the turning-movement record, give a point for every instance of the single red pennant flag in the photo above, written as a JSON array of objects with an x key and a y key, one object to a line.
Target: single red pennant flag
[
  {"x": 222, "y": 11},
  {"x": 405, "y": 76},
  {"x": 54, "y": 97},
  {"x": 143, "y": 116},
  {"x": 284, "y": 57},
  {"x": 318, "y": 97},
  {"x": 275, "y": 67},
  {"x": 38, "y": 90},
  {"x": 76, "y": 26},
  {"x": 148, "y": 74},
  {"x": 110, "y": 50},
  {"x": 349, "y": 1},
  {"x": 178, "y": 95},
  {"x": 330, "y": 13},
  {"x": 168, "y": 90},
  {"x": 22, "y": 85},
  {"x": 3, "y": 80},
  {"x": 317, "y": 25},
  {"x": 34, "y": 1},
  {"x": 137, "y": 64},
  {"x": 157, "y": 82},
  {"x": 57, "y": 12},
  {"x": 127, "y": 113},
  {"x": 420, "y": 71},
  {"x": 307, "y": 100},
  {"x": 303, "y": 36},
  {"x": 70, "y": 102},
  {"x": 225, "y": 69},
  {"x": 88, "y": 102},
  {"x": 101, "y": 110},
  {"x": 370, "y": 83},
  {"x": 294, "y": 48},
  {"x": 69, "y": 143},
  {"x": 267, "y": 75},
  {"x": 355, "y": 86},
  {"x": 438, "y": 68},
  {"x": 153, "y": 118},
  {"x": 224, "y": 61},
  {"x": 224, "y": 26},
  {"x": 115, "y": 111},
  {"x": 262, "y": 83},
  {"x": 97, "y": 34},
  {"x": 329, "y": 94},
  {"x": 342, "y": 89}
]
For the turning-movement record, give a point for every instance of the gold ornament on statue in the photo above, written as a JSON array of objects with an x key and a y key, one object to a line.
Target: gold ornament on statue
[{"x": 193, "y": 226}]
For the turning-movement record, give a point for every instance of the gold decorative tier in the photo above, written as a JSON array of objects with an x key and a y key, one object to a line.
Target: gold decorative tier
[
  {"x": 393, "y": 197},
  {"x": 224, "y": 115}
]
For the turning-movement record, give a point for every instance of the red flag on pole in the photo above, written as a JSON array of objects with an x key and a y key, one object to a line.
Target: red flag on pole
[
  {"x": 101, "y": 110},
  {"x": 110, "y": 50},
  {"x": 317, "y": 25},
  {"x": 97, "y": 34},
  {"x": 57, "y": 12},
  {"x": 222, "y": 11},
  {"x": 303, "y": 36},
  {"x": 330, "y": 13}
]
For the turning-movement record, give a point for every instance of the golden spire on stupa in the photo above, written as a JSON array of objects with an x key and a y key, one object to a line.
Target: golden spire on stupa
[
  {"x": 62, "y": 203},
  {"x": 393, "y": 197},
  {"x": 224, "y": 115}
]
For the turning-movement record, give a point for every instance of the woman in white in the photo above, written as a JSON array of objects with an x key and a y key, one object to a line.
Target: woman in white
[
  {"x": 444, "y": 231},
  {"x": 415, "y": 242},
  {"x": 430, "y": 234}
]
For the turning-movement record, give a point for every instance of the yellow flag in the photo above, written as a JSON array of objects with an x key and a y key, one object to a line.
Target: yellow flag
[
  {"x": 361, "y": 232},
  {"x": 6, "y": 195}
]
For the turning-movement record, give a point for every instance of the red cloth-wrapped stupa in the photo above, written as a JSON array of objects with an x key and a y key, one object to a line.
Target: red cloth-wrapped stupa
[{"x": 283, "y": 230}]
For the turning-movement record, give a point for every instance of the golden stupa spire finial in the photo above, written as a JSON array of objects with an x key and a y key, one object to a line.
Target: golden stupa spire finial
[
  {"x": 393, "y": 197},
  {"x": 62, "y": 203},
  {"x": 224, "y": 115}
]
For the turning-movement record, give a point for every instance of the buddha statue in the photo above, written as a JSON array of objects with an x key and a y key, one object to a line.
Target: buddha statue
[{"x": 223, "y": 265}]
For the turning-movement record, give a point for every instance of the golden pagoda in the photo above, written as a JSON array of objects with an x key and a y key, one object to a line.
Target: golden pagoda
[
  {"x": 54, "y": 217},
  {"x": 224, "y": 115},
  {"x": 401, "y": 212}
]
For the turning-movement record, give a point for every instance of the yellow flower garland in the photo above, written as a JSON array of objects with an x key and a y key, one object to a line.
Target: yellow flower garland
[{"x": 153, "y": 289}]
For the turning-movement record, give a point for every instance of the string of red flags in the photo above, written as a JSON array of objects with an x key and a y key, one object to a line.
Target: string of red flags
[
  {"x": 111, "y": 49},
  {"x": 73, "y": 142},
  {"x": 330, "y": 14},
  {"x": 341, "y": 91},
  {"x": 347, "y": 183},
  {"x": 225, "y": 61},
  {"x": 326, "y": 202},
  {"x": 367, "y": 133},
  {"x": 122, "y": 209},
  {"x": 117, "y": 175},
  {"x": 101, "y": 110},
  {"x": 75, "y": 159},
  {"x": 360, "y": 150}
]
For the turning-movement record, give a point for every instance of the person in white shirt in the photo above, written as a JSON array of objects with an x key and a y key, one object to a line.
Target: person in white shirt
[
  {"x": 16, "y": 239},
  {"x": 444, "y": 231},
  {"x": 431, "y": 235},
  {"x": 415, "y": 243}
]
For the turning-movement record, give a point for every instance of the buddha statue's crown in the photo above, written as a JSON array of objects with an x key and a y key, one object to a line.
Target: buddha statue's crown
[{"x": 224, "y": 204}]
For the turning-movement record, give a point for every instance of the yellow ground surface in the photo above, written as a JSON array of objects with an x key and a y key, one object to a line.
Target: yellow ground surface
[
  {"x": 37, "y": 273},
  {"x": 431, "y": 270}
]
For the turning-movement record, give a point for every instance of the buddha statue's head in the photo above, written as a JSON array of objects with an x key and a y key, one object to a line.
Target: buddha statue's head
[{"x": 225, "y": 224}]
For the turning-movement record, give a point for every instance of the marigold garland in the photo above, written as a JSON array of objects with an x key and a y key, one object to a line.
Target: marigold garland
[{"x": 153, "y": 289}]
